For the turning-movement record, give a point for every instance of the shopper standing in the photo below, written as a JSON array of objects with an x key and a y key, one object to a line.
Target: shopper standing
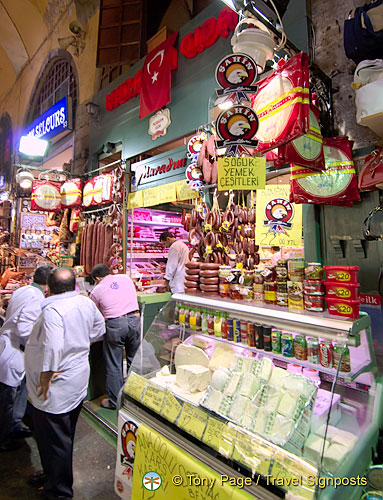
[
  {"x": 178, "y": 256},
  {"x": 276, "y": 255},
  {"x": 116, "y": 297},
  {"x": 23, "y": 310},
  {"x": 57, "y": 372}
]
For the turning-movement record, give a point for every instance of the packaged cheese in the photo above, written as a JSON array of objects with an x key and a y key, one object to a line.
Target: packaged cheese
[
  {"x": 239, "y": 405},
  {"x": 333, "y": 456},
  {"x": 232, "y": 384},
  {"x": 212, "y": 400},
  {"x": 264, "y": 368},
  {"x": 249, "y": 386},
  {"x": 219, "y": 379},
  {"x": 279, "y": 428},
  {"x": 313, "y": 448}
]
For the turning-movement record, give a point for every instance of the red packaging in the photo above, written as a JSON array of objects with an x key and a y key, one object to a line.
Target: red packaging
[
  {"x": 325, "y": 353},
  {"x": 103, "y": 189},
  {"x": 337, "y": 185},
  {"x": 341, "y": 274},
  {"x": 74, "y": 219},
  {"x": 282, "y": 103},
  {"x": 307, "y": 150},
  {"x": 343, "y": 307},
  {"x": 313, "y": 287},
  {"x": 71, "y": 193},
  {"x": 343, "y": 291},
  {"x": 46, "y": 196},
  {"x": 314, "y": 303},
  {"x": 87, "y": 194}
]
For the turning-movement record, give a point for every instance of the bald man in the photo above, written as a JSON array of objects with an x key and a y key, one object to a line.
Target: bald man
[{"x": 57, "y": 372}]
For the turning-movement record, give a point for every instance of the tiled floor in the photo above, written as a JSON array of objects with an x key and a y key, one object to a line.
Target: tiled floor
[{"x": 93, "y": 466}]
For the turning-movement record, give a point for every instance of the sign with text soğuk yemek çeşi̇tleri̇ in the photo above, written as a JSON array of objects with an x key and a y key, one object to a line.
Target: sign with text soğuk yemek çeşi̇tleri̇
[{"x": 55, "y": 120}]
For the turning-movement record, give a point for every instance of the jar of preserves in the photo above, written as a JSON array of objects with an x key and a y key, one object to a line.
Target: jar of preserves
[
  {"x": 247, "y": 292},
  {"x": 270, "y": 292},
  {"x": 269, "y": 274},
  {"x": 235, "y": 287},
  {"x": 314, "y": 271},
  {"x": 224, "y": 273},
  {"x": 296, "y": 269},
  {"x": 281, "y": 271},
  {"x": 282, "y": 295}
]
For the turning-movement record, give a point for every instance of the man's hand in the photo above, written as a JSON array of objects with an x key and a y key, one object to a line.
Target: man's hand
[{"x": 45, "y": 382}]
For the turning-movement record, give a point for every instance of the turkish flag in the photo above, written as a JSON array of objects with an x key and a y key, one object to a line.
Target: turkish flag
[{"x": 156, "y": 76}]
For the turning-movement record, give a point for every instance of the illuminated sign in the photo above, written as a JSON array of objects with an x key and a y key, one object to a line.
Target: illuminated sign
[{"x": 54, "y": 121}]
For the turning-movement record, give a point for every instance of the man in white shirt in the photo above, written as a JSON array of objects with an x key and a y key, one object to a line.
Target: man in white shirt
[
  {"x": 23, "y": 310},
  {"x": 57, "y": 372},
  {"x": 276, "y": 251},
  {"x": 178, "y": 256}
]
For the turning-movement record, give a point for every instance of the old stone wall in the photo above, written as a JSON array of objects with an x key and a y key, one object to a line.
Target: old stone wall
[{"x": 328, "y": 19}]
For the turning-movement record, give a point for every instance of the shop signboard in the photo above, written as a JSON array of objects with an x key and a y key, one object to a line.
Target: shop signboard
[
  {"x": 161, "y": 169},
  {"x": 278, "y": 221},
  {"x": 55, "y": 120},
  {"x": 2, "y": 182},
  {"x": 241, "y": 173}
]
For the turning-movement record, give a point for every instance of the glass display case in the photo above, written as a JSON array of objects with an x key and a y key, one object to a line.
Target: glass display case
[{"x": 289, "y": 400}]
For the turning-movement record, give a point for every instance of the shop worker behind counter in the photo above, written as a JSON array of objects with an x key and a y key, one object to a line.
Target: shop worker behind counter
[
  {"x": 57, "y": 373},
  {"x": 23, "y": 310},
  {"x": 116, "y": 297},
  {"x": 178, "y": 256}
]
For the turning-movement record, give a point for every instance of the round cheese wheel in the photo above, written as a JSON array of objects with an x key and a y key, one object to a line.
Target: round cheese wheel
[
  {"x": 47, "y": 197},
  {"x": 97, "y": 192},
  {"x": 87, "y": 195},
  {"x": 71, "y": 193}
]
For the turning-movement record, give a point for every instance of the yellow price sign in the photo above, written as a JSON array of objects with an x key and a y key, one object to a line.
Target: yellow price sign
[
  {"x": 167, "y": 193},
  {"x": 193, "y": 420},
  {"x": 171, "y": 407},
  {"x": 213, "y": 433},
  {"x": 153, "y": 398},
  {"x": 150, "y": 197},
  {"x": 135, "y": 386},
  {"x": 241, "y": 173},
  {"x": 135, "y": 200},
  {"x": 252, "y": 452},
  {"x": 184, "y": 192}
]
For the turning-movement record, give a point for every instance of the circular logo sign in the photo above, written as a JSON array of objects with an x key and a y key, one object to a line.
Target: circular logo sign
[
  {"x": 237, "y": 122},
  {"x": 236, "y": 69},
  {"x": 128, "y": 440},
  {"x": 151, "y": 481},
  {"x": 194, "y": 145},
  {"x": 279, "y": 210}
]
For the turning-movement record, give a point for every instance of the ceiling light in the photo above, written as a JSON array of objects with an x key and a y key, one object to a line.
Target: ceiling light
[
  {"x": 32, "y": 146},
  {"x": 24, "y": 179}
]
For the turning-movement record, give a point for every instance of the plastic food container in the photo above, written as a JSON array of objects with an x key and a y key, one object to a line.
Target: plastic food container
[
  {"x": 313, "y": 287},
  {"x": 344, "y": 291},
  {"x": 314, "y": 303},
  {"x": 314, "y": 271},
  {"x": 343, "y": 307},
  {"x": 342, "y": 274}
]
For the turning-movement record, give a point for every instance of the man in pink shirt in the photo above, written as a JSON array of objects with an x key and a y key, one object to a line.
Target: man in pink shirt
[{"x": 116, "y": 297}]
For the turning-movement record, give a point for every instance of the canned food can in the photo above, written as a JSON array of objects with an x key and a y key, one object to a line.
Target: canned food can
[
  {"x": 345, "y": 365},
  {"x": 325, "y": 353},
  {"x": 250, "y": 335},
  {"x": 230, "y": 331},
  {"x": 236, "y": 331},
  {"x": 243, "y": 326},
  {"x": 267, "y": 338},
  {"x": 313, "y": 351},
  {"x": 276, "y": 341},
  {"x": 259, "y": 336},
  {"x": 287, "y": 342},
  {"x": 300, "y": 347}
]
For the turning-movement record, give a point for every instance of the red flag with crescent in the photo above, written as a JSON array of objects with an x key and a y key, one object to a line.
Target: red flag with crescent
[{"x": 156, "y": 76}]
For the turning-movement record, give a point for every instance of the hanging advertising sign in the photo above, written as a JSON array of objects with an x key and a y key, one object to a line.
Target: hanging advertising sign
[
  {"x": 162, "y": 169},
  {"x": 278, "y": 222},
  {"x": 54, "y": 121},
  {"x": 239, "y": 173},
  {"x": 159, "y": 123}
]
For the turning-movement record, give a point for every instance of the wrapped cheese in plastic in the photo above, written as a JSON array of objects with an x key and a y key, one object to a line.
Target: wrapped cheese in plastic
[
  {"x": 46, "y": 196},
  {"x": 336, "y": 185},
  {"x": 98, "y": 189},
  {"x": 74, "y": 219},
  {"x": 282, "y": 103},
  {"x": 307, "y": 150},
  {"x": 71, "y": 193},
  {"x": 87, "y": 194}
]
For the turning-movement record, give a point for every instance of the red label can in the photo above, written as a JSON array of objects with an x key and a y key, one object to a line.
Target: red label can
[
  {"x": 325, "y": 353},
  {"x": 250, "y": 334},
  {"x": 243, "y": 332}
]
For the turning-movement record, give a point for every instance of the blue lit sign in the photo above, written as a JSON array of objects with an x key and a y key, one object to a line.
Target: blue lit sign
[
  {"x": 2, "y": 181},
  {"x": 54, "y": 121}
]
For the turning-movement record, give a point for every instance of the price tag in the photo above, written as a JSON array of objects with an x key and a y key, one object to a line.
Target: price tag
[
  {"x": 281, "y": 473},
  {"x": 213, "y": 433},
  {"x": 153, "y": 398},
  {"x": 241, "y": 173},
  {"x": 151, "y": 197},
  {"x": 171, "y": 407},
  {"x": 167, "y": 193},
  {"x": 184, "y": 192},
  {"x": 192, "y": 420},
  {"x": 135, "y": 386},
  {"x": 135, "y": 200},
  {"x": 253, "y": 453}
]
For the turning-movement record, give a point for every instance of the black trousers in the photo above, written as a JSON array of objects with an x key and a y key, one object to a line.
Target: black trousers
[{"x": 54, "y": 436}]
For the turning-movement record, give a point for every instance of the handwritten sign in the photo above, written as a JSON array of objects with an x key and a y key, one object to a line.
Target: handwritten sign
[
  {"x": 184, "y": 192},
  {"x": 241, "y": 173},
  {"x": 135, "y": 386},
  {"x": 278, "y": 222},
  {"x": 213, "y": 433},
  {"x": 253, "y": 453},
  {"x": 193, "y": 420},
  {"x": 167, "y": 193},
  {"x": 153, "y": 398},
  {"x": 150, "y": 197},
  {"x": 171, "y": 407},
  {"x": 135, "y": 200}
]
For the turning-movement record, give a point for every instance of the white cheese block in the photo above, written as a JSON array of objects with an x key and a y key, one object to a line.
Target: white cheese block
[
  {"x": 232, "y": 384},
  {"x": 193, "y": 378},
  {"x": 264, "y": 368},
  {"x": 313, "y": 448},
  {"x": 335, "y": 435},
  {"x": 238, "y": 408},
  {"x": 190, "y": 355},
  {"x": 163, "y": 381},
  {"x": 247, "y": 365},
  {"x": 333, "y": 455},
  {"x": 287, "y": 404},
  {"x": 281, "y": 429},
  {"x": 249, "y": 415},
  {"x": 249, "y": 386},
  {"x": 197, "y": 342},
  {"x": 213, "y": 400},
  {"x": 223, "y": 356},
  {"x": 277, "y": 376},
  {"x": 261, "y": 421},
  {"x": 219, "y": 379},
  {"x": 164, "y": 372}
]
